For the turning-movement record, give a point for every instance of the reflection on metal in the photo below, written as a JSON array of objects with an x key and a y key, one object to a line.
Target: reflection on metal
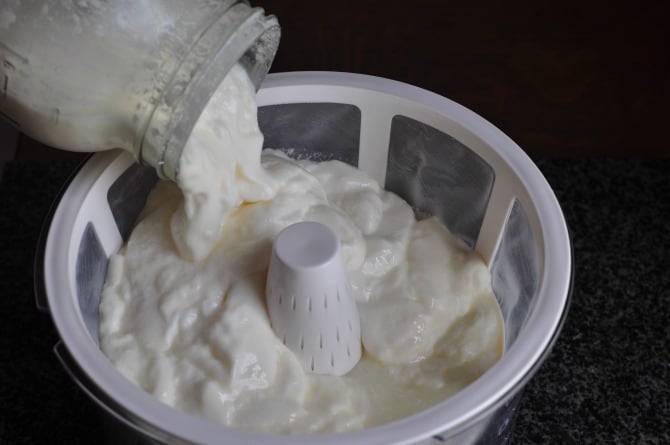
[
  {"x": 439, "y": 176},
  {"x": 314, "y": 131},
  {"x": 91, "y": 270},
  {"x": 515, "y": 271},
  {"x": 126, "y": 197}
]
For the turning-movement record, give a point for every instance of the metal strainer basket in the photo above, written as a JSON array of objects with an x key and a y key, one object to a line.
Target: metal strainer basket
[{"x": 442, "y": 158}]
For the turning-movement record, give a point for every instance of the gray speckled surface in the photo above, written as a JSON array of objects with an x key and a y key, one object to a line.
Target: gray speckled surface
[{"x": 607, "y": 380}]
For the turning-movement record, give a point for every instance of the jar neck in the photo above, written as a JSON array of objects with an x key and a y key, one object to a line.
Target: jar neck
[{"x": 238, "y": 34}]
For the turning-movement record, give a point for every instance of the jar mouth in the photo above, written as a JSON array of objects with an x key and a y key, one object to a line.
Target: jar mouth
[
  {"x": 243, "y": 35},
  {"x": 257, "y": 60}
]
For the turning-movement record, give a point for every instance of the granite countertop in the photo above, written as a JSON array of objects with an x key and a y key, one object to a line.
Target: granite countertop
[{"x": 606, "y": 381}]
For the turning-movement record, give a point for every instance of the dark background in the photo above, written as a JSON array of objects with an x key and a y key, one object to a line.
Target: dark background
[
  {"x": 579, "y": 81},
  {"x": 563, "y": 79}
]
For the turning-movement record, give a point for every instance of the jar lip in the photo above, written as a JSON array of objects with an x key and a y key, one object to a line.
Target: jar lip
[
  {"x": 456, "y": 413},
  {"x": 253, "y": 44}
]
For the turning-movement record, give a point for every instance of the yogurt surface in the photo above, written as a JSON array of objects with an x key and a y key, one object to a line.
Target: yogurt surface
[{"x": 183, "y": 309}]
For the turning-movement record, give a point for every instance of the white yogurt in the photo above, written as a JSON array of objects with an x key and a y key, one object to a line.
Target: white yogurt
[{"x": 183, "y": 313}]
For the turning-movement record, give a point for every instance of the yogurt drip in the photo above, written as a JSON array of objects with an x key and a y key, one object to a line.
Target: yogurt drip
[
  {"x": 183, "y": 314},
  {"x": 219, "y": 168}
]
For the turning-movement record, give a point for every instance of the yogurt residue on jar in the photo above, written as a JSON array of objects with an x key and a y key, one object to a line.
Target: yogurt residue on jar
[{"x": 183, "y": 309}]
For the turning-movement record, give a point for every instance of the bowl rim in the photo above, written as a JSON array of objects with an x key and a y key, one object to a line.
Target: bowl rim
[{"x": 455, "y": 414}]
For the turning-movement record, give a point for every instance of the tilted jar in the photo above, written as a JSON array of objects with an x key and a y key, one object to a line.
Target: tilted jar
[{"x": 91, "y": 75}]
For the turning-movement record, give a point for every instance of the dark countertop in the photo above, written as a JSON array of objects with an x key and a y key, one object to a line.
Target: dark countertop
[{"x": 607, "y": 380}]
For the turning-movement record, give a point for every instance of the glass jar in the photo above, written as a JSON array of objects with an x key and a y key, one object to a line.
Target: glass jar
[{"x": 91, "y": 75}]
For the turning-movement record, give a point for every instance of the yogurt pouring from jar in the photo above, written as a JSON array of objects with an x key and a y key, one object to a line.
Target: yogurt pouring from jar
[{"x": 183, "y": 314}]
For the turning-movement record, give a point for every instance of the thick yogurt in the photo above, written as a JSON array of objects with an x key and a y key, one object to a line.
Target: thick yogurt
[{"x": 183, "y": 313}]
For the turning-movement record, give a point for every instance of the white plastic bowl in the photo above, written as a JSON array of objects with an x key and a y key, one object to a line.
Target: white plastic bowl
[{"x": 442, "y": 157}]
